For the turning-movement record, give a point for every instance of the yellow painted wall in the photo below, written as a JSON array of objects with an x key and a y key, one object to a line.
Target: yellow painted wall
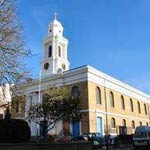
[
  {"x": 117, "y": 112},
  {"x": 83, "y": 87}
]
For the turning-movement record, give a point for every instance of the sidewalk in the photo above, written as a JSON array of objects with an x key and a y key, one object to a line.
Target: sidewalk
[{"x": 120, "y": 147}]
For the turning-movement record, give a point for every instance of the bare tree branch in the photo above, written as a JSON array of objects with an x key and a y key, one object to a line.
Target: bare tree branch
[{"x": 12, "y": 46}]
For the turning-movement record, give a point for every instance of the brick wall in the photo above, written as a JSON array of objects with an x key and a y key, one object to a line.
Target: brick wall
[{"x": 56, "y": 146}]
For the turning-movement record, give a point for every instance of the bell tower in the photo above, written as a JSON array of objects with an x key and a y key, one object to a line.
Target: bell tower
[{"x": 54, "y": 57}]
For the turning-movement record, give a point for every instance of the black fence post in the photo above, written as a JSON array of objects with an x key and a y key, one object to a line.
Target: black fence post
[{"x": 148, "y": 145}]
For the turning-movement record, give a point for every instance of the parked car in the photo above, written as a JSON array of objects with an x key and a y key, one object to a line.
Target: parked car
[
  {"x": 79, "y": 138},
  {"x": 141, "y": 137},
  {"x": 97, "y": 139},
  {"x": 111, "y": 141}
]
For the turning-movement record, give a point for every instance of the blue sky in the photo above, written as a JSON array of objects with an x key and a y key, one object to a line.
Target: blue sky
[{"x": 110, "y": 35}]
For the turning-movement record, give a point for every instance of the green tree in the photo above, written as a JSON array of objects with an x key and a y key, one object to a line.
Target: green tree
[{"x": 58, "y": 105}]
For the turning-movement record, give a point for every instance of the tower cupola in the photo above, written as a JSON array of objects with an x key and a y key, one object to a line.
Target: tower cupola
[
  {"x": 55, "y": 27},
  {"x": 54, "y": 59}
]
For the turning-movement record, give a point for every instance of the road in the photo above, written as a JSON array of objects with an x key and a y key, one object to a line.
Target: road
[{"x": 124, "y": 147}]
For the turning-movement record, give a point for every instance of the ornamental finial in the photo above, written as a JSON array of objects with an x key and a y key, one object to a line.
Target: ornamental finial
[{"x": 55, "y": 16}]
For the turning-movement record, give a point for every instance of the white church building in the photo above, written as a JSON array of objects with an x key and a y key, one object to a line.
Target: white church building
[{"x": 107, "y": 103}]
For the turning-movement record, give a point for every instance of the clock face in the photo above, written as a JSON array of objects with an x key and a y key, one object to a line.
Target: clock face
[{"x": 46, "y": 66}]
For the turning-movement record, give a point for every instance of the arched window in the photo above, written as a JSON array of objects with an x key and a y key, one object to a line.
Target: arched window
[
  {"x": 98, "y": 95},
  {"x": 139, "y": 107},
  {"x": 45, "y": 98},
  {"x": 140, "y": 123},
  {"x": 113, "y": 123},
  {"x": 50, "y": 51},
  {"x": 59, "y": 51},
  {"x": 145, "y": 108},
  {"x": 112, "y": 103},
  {"x": 75, "y": 91},
  {"x": 131, "y": 105},
  {"x": 17, "y": 107},
  {"x": 124, "y": 122},
  {"x": 122, "y": 102},
  {"x": 133, "y": 124},
  {"x": 147, "y": 124}
]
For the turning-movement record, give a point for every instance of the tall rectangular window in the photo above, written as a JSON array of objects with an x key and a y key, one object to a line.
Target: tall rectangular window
[
  {"x": 98, "y": 95},
  {"x": 50, "y": 51},
  {"x": 131, "y": 105},
  {"x": 112, "y": 103},
  {"x": 122, "y": 103},
  {"x": 59, "y": 51}
]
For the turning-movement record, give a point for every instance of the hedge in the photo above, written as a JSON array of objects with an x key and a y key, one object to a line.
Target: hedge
[{"x": 14, "y": 130}]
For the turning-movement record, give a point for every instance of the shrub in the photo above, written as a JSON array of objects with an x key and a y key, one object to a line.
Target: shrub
[{"x": 14, "y": 130}]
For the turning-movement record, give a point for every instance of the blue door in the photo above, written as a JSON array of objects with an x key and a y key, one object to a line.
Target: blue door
[
  {"x": 75, "y": 128},
  {"x": 99, "y": 124}
]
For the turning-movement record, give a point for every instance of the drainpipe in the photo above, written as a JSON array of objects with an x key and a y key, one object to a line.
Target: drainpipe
[
  {"x": 39, "y": 98},
  {"x": 106, "y": 107},
  {"x": 148, "y": 104},
  {"x": 39, "y": 101}
]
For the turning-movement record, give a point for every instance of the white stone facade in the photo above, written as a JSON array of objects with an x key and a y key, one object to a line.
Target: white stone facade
[
  {"x": 5, "y": 98},
  {"x": 54, "y": 58},
  {"x": 5, "y": 95}
]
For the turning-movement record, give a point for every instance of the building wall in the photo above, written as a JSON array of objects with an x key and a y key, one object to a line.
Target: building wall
[
  {"x": 5, "y": 94},
  {"x": 5, "y": 99},
  {"x": 87, "y": 79},
  {"x": 18, "y": 107},
  {"x": 116, "y": 112},
  {"x": 46, "y": 146},
  {"x": 83, "y": 93},
  {"x": 32, "y": 97},
  {"x": 83, "y": 88}
]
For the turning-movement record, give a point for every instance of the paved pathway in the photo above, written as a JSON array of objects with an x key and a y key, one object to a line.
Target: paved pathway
[
  {"x": 124, "y": 147},
  {"x": 121, "y": 147}
]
